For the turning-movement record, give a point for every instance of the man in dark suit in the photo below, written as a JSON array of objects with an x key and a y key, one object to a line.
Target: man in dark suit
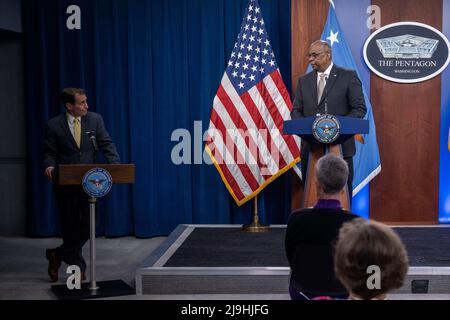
[
  {"x": 328, "y": 89},
  {"x": 67, "y": 140}
]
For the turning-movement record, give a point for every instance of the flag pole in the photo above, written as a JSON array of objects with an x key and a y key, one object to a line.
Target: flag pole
[{"x": 255, "y": 226}]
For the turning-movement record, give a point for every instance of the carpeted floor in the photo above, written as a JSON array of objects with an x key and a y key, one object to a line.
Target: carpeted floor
[
  {"x": 427, "y": 246},
  {"x": 230, "y": 247}
]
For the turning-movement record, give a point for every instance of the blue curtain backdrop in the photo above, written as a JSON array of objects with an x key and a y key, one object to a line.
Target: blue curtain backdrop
[{"x": 149, "y": 67}]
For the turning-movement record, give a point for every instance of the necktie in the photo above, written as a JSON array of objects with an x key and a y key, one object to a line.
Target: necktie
[
  {"x": 320, "y": 87},
  {"x": 77, "y": 131}
]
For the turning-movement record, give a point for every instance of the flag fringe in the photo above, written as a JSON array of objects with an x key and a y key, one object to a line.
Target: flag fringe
[
  {"x": 366, "y": 180},
  {"x": 261, "y": 187}
]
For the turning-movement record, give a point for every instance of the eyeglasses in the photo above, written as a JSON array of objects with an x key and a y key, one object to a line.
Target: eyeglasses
[{"x": 315, "y": 55}]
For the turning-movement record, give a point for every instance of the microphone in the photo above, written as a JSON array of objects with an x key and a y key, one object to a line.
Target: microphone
[{"x": 91, "y": 135}]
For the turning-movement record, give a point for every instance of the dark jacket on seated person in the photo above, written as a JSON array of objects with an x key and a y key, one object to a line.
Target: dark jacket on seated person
[{"x": 310, "y": 238}]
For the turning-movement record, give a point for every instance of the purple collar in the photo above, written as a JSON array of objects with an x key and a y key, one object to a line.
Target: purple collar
[{"x": 328, "y": 204}]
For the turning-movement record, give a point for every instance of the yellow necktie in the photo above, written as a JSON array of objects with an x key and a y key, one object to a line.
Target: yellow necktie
[{"x": 77, "y": 131}]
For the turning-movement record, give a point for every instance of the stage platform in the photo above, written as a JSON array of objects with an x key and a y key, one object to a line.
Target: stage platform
[{"x": 222, "y": 259}]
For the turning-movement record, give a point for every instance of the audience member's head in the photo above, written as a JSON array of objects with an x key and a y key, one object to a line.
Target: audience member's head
[
  {"x": 365, "y": 247},
  {"x": 332, "y": 174}
]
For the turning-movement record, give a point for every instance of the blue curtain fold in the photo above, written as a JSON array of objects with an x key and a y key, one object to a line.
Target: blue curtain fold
[{"x": 149, "y": 67}]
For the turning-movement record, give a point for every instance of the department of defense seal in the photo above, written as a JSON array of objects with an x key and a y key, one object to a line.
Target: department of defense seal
[
  {"x": 97, "y": 182},
  {"x": 326, "y": 128}
]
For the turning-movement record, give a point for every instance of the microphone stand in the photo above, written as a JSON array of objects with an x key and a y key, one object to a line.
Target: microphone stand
[
  {"x": 92, "y": 200},
  {"x": 327, "y": 146},
  {"x": 94, "y": 144}
]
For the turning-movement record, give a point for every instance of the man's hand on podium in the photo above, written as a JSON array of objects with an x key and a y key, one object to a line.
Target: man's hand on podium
[{"x": 48, "y": 172}]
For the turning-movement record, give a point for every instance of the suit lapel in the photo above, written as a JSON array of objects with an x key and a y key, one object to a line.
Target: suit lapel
[
  {"x": 313, "y": 84},
  {"x": 65, "y": 128},
  {"x": 84, "y": 129},
  {"x": 334, "y": 74}
]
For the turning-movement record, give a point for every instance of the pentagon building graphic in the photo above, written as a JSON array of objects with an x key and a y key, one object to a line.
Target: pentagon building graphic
[{"x": 407, "y": 46}]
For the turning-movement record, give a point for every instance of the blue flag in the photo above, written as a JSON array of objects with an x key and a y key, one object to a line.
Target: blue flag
[{"x": 366, "y": 161}]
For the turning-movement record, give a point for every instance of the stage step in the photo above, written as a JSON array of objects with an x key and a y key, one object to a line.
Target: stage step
[{"x": 221, "y": 259}]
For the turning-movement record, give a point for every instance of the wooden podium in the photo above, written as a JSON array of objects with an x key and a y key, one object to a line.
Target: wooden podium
[
  {"x": 303, "y": 127},
  {"x": 75, "y": 175},
  {"x": 72, "y": 174}
]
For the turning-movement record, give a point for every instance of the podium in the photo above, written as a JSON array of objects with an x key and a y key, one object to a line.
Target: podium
[
  {"x": 306, "y": 128},
  {"x": 97, "y": 180}
]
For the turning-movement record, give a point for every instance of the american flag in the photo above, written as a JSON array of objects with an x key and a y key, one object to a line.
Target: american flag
[{"x": 245, "y": 138}]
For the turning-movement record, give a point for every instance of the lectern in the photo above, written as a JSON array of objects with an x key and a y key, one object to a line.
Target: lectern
[
  {"x": 324, "y": 134},
  {"x": 96, "y": 180}
]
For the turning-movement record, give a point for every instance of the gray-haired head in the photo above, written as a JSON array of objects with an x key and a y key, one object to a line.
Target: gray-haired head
[
  {"x": 325, "y": 45},
  {"x": 331, "y": 173},
  {"x": 319, "y": 55}
]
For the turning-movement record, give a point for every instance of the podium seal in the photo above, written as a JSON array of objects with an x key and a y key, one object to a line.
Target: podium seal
[
  {"x": 97, "y": 182},
  {"x": 326, "y": 128}
]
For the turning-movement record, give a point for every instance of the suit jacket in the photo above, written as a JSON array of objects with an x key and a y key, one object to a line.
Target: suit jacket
[
  {"x": 60, "y": 146},
  {"x": 342, "y": 94}
]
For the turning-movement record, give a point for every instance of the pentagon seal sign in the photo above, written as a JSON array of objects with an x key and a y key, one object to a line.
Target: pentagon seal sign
[
  {"x": 326, "y": 128},
  {"x": 407, "y": 52},
  {"x": 97, "y": 182}
]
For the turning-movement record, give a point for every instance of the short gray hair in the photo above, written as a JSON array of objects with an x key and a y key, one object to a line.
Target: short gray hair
[
  {"x": 331, "y": 173},
  {"x": 324, "y": 45}
]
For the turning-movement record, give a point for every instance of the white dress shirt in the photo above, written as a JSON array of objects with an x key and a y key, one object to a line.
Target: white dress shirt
[{"x": 326, "y": 72}]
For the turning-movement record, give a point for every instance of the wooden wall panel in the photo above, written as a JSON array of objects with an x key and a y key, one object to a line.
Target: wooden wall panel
[
  {"x": 407, "y": 118},
  {"x": 308, "y": 18}
]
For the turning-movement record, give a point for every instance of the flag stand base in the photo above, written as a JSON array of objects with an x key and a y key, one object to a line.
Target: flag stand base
[{"x": 255, "y": 226}]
